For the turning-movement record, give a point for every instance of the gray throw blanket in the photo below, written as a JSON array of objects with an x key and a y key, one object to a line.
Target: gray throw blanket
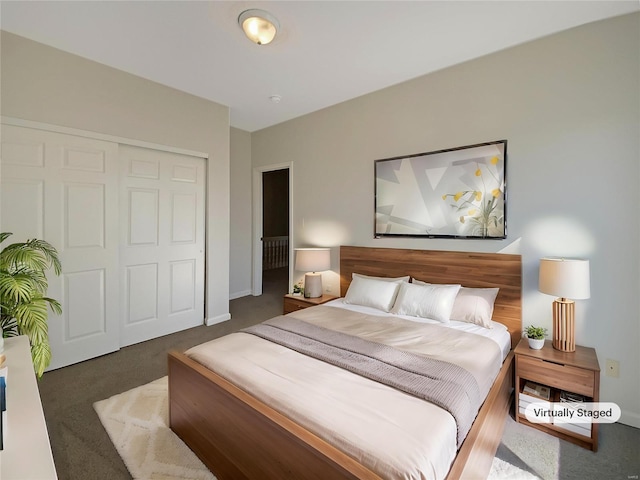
[{"x": 449, "y": 386}]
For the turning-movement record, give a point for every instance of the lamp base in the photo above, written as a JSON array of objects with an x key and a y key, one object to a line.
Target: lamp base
[
  {"x": 564, "y": 325},
  {"x": 312, "y": 285}
]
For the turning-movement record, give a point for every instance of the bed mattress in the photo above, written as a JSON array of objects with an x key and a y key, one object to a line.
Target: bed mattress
[{"x": 394, "y": 434}]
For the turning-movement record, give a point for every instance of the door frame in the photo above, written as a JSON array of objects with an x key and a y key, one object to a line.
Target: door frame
[{"x": 256, "y": 272}]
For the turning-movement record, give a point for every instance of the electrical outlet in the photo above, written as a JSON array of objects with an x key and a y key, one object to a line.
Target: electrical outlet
[{"x": 613, "y": 368}]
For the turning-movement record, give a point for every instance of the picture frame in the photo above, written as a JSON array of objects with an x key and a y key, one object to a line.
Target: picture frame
[{"x": 453, "y": 193}]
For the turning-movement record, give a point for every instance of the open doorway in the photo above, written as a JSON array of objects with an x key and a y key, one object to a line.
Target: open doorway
[
  {"x": 272, "y": 244},
  {"x": 275, "y": 231}
]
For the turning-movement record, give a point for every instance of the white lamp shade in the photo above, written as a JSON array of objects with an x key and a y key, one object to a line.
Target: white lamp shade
[
  {"x": 313, "y": 259},
  {"x": 565, "y": 277}
]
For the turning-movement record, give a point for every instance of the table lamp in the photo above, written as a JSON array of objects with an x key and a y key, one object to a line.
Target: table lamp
[
  {"x": 313, "y": 260},
  {"x": 566, "y": 278}
]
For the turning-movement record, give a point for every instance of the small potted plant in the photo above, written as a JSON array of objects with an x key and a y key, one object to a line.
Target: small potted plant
[
  {"x": 298, "y": 289},
  {"x": 536, "y": 336}
]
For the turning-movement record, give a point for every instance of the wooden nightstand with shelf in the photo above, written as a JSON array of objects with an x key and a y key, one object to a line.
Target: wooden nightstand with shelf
[
  {"x": 298, "y": 302},
  {"x": 575, "y": 372}
]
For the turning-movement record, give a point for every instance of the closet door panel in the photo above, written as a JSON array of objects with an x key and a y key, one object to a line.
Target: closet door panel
[
  {"x": 64, "y": 189},
  {"x": 162, "y": 199}
]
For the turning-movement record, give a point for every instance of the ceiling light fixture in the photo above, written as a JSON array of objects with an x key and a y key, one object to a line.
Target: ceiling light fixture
[{"x": 259, "y": 26}]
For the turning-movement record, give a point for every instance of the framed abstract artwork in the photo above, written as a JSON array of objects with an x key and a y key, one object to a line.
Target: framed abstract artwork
[{"x": 453, "y": 193}]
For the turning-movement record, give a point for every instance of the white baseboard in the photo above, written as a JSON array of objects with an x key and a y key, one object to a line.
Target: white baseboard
[
  {"x": 219, "y": 319},
  {"x": 630, "y": 418},
  {"x": 243, "y": 293}
]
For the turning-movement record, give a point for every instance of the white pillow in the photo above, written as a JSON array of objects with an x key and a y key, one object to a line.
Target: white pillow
[
  {"x": 372, "y": 293},
  {"x": 384, "y": 279},
  {"x": 472, "y": 305},
  {"x": 475, "y": 305},
  {"x": 426, "y": 301}
]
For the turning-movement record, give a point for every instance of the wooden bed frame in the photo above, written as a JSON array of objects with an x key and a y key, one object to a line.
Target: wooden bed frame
[{"x": 239, "y": 437}]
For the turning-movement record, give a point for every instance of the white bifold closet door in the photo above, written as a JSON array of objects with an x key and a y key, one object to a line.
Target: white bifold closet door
[
  {"x": 161, "y": 242},
  {"x": 128, "y": 224},
  {"x": 64, "y": 189}
]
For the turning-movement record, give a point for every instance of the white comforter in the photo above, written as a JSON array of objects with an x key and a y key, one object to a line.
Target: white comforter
[{"x": 394, "y": 434}]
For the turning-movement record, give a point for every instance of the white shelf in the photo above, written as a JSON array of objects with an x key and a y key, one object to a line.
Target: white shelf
[{"x": 27, "y": 451}]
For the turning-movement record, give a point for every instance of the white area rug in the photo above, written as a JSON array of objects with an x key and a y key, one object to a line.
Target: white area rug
[{"x": 137, "y": 422}]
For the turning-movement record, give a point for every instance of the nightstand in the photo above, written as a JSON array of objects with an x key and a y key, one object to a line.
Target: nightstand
[
  {"x": 295, "y": 302},
  {"x": 574, "y": 372}
]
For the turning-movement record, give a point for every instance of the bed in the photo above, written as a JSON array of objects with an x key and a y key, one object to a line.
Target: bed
[{"x": 239, "y": 433}]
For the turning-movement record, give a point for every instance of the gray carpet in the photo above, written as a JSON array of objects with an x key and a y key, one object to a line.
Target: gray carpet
[{"x": 82, "y": 449}]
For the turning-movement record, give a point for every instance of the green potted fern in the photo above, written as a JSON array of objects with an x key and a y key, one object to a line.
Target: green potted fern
[{"x": 24, "y": 306}]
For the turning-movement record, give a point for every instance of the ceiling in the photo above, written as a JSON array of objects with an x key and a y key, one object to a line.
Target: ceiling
[{"x": 325, "y": 53}]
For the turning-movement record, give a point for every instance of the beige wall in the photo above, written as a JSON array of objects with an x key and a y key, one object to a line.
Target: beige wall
[
  {"x": 241, "y": 223},
  {"x": 568, "y": 105},
  {"x": 42, "y": 84}
]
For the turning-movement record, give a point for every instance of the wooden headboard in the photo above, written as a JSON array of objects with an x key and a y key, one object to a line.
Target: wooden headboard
[{"x": 470, "y": 269}]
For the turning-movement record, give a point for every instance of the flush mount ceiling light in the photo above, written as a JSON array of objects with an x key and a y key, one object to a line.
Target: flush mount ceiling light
[{"x": 259, "y": 26}]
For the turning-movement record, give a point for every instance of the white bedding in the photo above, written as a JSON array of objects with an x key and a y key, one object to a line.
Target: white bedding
[
  {"x": 498, "y": 333},
  {"x": 394, "y": 434}
]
